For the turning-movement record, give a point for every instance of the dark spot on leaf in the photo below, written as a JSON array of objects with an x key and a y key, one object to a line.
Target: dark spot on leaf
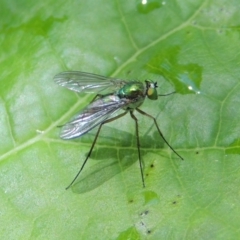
[{"x": 144, "y": 213}]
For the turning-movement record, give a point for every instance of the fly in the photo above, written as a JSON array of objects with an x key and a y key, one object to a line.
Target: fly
[{"x": 116, "y": 94}]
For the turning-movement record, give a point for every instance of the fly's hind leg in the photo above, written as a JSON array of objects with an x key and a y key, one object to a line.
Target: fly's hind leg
[{"x": 93, "y": 144}]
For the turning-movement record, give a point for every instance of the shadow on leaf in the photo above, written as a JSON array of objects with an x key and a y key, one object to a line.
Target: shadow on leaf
[
  {"x": 101, "y": 172},
  {"x": 120, "y": 155}
]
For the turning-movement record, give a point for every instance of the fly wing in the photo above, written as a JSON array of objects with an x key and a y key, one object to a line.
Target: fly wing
[
  {"x": 93, "y": 115},
  {"x": 86, "y": 82}
]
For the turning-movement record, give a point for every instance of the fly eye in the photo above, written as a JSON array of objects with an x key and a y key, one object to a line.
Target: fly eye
[{"x": 152, "y": 93}]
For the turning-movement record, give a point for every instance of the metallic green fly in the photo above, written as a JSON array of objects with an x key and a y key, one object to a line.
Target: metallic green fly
[{"x": 112, "y": 95}]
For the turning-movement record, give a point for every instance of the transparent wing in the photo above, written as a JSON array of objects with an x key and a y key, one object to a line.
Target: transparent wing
[
  {"x": 94, "y": 114},
  {"x": 86, "y": 82}
]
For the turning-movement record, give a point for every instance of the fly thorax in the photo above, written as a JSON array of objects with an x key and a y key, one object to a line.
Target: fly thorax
[
  {"x": 134, "y": 104},
  {"x": 132, "y": 90}
]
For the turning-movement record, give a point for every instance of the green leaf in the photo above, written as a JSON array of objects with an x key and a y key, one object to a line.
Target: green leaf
[{"x": 188, "y": 46}]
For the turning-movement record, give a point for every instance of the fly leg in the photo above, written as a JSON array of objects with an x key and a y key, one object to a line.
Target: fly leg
[
  {"x": 160, "y": 133},
  {"x": 100, "y": 96},
  {"x": 93, "y": 144},
  {"x": 138, "y": 146}
]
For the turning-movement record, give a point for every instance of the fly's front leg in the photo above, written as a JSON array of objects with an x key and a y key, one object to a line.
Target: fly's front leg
[
  {"x": 159, "y": 131},
  {"x": 100, "y": 96}
]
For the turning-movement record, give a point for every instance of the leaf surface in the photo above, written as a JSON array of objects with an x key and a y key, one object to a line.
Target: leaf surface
[{"x": 188, "y": 46}]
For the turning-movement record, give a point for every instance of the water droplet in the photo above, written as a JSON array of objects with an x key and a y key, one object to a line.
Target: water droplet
[{"x": 147, "y": 6}]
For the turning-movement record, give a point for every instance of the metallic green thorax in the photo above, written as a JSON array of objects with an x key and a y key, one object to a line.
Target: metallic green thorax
[
  {"x": 132, "y": 90},
  {"x": 137, "y": 91}
]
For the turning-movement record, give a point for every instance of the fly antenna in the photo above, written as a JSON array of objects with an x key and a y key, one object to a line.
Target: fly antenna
[{"x": 166, "y": 94}]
